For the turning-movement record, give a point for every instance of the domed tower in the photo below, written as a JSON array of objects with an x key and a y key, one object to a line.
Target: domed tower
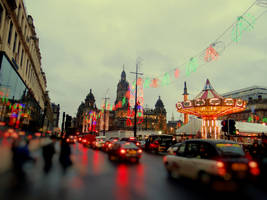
[
  {"x": 122, "y": 88},
  {"x": 160, "y": 113},
  {"x": 90, "y": 100},
  {"x": 159, "y": 106}
]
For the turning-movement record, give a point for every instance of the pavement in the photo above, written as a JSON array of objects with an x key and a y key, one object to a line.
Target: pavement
[{"x": 5, "y": 148}]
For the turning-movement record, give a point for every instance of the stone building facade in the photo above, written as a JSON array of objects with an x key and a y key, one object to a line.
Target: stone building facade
[{"x": 22, "y": 80}]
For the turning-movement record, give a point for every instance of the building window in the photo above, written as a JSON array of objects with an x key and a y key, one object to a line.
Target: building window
[
  {"x": 21, "y": 59},
  {"x": 10, "y": 32},
  {"x": 15, "y": 43},
  {"x": 1, "y": 12}
]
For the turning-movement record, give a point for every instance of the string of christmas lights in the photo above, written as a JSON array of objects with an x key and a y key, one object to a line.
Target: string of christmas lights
[{"x": 243, "y": 24}]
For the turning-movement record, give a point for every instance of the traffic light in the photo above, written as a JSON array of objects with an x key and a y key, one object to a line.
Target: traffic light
[
  {"x": 232, "y": 128},
  {"x": 224, "y": 125}
]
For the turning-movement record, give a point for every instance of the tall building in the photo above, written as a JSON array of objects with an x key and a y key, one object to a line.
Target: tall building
[
  {"x": 22, "y": 80},
  {"x": 87, "y": 114},
  {"x": 120, "y": 113},
  {"x": 256, "y": 111},
  {"x": 248, "y": 93},
  {"x": 56, "y": 113},
  {"x": 151, "y": 119}
]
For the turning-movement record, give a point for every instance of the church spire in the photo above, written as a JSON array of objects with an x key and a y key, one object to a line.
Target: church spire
[
  {"x": 123, "y": 74},
  {"x": 185, "y": 89}
]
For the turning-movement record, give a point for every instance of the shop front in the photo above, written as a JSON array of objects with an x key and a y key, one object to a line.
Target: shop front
[{"x": 18, "y": 107}]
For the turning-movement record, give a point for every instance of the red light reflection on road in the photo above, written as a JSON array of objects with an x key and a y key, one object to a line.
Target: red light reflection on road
[
  {"x": 98, "y": 163},
  {"x": 122, "y": 183},
  {"x": 84, "y": 157},
  {"x": 139, "y": 180}
]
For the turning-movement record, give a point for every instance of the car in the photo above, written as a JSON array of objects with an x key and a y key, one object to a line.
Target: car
[
  {"x": 142, "y": 144},
  {"x": 108, "y": 143},
  {"x": 158, "y": 143},
  {"x": 71, "y": 139},
  {"x": 99, "y": 142},
  {"x": 131, "y": 139},
  {"x": 125, "y": 151},
  {"x": 210, "y": 160},
  {"x": 172, "y": 149}
]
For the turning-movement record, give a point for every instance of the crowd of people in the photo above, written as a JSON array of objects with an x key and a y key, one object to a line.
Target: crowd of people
[{"x": 22, "y": 156}]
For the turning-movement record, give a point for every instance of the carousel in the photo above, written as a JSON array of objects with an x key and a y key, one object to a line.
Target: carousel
[{"x": 209, "y": 105}]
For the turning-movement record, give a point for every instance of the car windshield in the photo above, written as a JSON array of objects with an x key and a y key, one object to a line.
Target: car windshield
[
  {"x": 230, "y": 149},
  {"x": 129, "y": 145}
]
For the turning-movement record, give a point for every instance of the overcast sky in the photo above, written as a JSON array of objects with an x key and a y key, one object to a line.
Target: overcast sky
[{"x": 84, "y": 44}]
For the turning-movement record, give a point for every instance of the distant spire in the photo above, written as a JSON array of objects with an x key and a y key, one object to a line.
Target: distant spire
[{"x": 185, "y": 89}]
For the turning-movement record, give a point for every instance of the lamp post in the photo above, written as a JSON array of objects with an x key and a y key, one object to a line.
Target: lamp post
[{"x": 135, "y": 104}]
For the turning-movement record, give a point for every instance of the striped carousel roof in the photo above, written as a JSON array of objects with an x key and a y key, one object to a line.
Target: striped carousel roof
[{"x": 208, "y": 92}]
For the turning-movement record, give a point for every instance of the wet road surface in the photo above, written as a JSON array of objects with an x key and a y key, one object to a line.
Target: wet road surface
[{"x": 93, "y": 176}]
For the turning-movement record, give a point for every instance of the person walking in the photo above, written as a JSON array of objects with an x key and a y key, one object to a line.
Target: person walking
[
  {"x": 64, "y": 157},
  {"x": 48, "y": 153},
  {"x": 21, "y": 155}
]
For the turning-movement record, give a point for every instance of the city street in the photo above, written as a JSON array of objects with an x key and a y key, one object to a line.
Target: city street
[{"x": 93, "y": 176}]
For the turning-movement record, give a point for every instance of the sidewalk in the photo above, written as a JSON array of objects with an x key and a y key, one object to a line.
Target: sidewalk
[{"x": 5, "y": 149}]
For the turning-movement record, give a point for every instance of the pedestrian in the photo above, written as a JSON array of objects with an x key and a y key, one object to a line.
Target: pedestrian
[
  {"x": 64, "y": 157},
  {"x": 21, "y": 155},
  {"x": 48, "y": 153}
]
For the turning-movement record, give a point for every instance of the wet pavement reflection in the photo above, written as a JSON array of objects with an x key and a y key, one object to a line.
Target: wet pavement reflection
[{"x": 93, "y": 176}]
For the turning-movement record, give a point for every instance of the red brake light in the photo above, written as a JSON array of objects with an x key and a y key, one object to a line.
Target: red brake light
[
  {"x": 254, "y": 170},
  {"x": 122, "y": 151},
  {"x": 109, "y": 145},
  {"x": 131, "y": 138},
  {"x": 252, "y": 164},
  {"x": 68, "y": 140},
  {"x": 139, "y": 151},
  {"x": 137, "y": 143},
  {"x": 219, "y": 164},
  {"x": 221, "y": 169}
]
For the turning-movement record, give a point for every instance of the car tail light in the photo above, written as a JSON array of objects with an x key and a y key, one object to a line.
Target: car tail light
[
  {"x": 132, "y": 138},
  {"x": 220, "y": 167},
  {"x": 80, "y": 139},
  {"x": 137, "y": 143},
  {"x": 68, "y": 140},
  {"x": 109, "y": 145},
  {"x": 122, "y": 151},
  {"x": 139, "y": 151},
  {"x": 254, "y": 169},
  {"x": 84, "y": 140}
]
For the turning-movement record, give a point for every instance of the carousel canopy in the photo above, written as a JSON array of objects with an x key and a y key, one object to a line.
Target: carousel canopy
[{"x": 209, "y": 104}]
